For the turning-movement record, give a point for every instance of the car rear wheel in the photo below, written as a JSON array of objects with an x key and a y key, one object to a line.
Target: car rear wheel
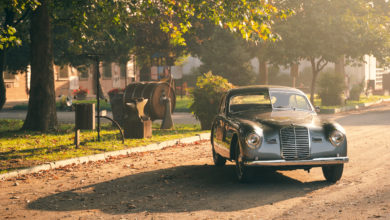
[
  {"x": 333, "y": 173},
  {"x": 241, "y": 168},
  {"x": 219, "y": 161}
]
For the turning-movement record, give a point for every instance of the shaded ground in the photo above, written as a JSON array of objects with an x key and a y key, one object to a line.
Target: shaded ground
[{"x": 181, "y": 183}]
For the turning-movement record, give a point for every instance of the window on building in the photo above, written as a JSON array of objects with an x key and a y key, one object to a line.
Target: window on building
[
  {"x": 83, "y": 72},
  {"x": 107, "y": 70},
  {"x": 8, "y": 75},
  {"x": 63, "y": 72}
]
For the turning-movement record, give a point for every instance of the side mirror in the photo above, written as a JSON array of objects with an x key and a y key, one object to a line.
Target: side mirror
[{"x": 318, "y": 109}]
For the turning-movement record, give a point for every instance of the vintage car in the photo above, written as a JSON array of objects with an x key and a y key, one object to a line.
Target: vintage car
[{"x": 277, "y": 127}]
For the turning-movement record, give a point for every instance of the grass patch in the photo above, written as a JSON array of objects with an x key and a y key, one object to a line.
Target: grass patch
[
  {"x": 104, "y": 105},
  {"x": 20, "y": 149},
  {"x": 363, "y": 99},
  {"x": 182, "y": 104}
]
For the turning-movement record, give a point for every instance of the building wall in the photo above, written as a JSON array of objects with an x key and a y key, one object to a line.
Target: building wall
[
  {"x": 16, "y": 89},
  {"x": 67, "y": 79}
]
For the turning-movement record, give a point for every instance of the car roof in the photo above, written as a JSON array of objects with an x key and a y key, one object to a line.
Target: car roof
[{"x": 255, "y": 88}]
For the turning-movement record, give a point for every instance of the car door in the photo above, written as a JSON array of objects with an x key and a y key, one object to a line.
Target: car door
[{"x": 219, "y": 130}]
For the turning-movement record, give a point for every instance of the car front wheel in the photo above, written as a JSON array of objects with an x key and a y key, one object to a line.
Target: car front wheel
[
  {"x": 333, "y": 173},
  {"x": 241, "y": 168}
]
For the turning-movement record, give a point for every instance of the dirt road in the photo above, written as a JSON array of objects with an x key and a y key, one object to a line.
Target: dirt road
[{"x": 181, "y": 183}]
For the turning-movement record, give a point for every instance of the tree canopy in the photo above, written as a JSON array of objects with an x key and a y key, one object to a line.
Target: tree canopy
[
  {"x": 105, "y": 26},
  {"x": 322, "y": 31},
  {"x": 221, "y": 52}
]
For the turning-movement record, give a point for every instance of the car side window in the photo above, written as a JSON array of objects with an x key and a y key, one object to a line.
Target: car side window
[
  {"x": 289, "y": 100},
  {"x": 298, "y": 102},
  {"x": 280, "y": 100},
  {"x": 222, "y": 105}
]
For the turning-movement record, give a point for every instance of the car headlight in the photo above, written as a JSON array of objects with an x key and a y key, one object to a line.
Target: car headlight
[
  {"x": 336, "y": 138},
  {"x": 253, "y": 140}
]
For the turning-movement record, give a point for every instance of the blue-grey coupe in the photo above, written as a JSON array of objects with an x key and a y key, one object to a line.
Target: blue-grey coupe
[{"x": 277, "y": 127}]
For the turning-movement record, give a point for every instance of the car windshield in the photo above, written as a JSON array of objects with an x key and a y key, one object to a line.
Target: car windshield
[
  {"x": 289, "y": 100},
  {"x": 249, "y": 102}
]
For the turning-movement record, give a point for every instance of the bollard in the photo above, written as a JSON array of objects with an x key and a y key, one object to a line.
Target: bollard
[{"x": 77, "y": 138}]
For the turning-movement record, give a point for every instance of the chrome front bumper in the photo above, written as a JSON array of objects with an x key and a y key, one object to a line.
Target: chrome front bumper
[{"x": 313, "y": 162}]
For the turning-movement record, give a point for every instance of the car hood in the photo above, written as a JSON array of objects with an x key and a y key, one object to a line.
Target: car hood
[{"x": 282, "y": 118}]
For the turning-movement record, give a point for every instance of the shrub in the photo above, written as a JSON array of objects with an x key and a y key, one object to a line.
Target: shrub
[
  {"x": 356, "y": 90},
  {"x": 80, "y": 92},
  {"x": 330, "y": 88},
  {"x": 206, "y": 97},
  {"x": 115, "y": 91}
]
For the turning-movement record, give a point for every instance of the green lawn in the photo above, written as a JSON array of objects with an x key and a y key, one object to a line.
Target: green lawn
[
  {"x": 20, "y": 149},
  {"x": 182, "y": 104},
  {"x": 363, "y": 99}
]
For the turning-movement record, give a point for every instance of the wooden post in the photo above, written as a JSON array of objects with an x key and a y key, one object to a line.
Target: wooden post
[
  {"x": 138, "y": 129},
  {"x": 77, "y": 138}
]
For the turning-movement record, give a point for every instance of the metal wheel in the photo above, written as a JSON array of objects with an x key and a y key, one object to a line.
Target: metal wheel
[
  {"x": 241, "y": 169},
  {"x": 333, "y": 173}
]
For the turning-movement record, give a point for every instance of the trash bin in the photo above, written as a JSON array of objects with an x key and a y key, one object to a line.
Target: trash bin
[
  {"x": 85, "y": 116},
  {"x": 116, "y": 102}
]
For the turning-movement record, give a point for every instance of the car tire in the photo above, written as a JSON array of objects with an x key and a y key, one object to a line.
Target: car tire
[
  {"x": 240, "y": 168},
  {"x": 333, "y": 173},
  {"x": 219, "y": 161}
]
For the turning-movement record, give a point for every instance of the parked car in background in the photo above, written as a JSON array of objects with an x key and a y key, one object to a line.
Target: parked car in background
[{"x": 278, "y": 127}]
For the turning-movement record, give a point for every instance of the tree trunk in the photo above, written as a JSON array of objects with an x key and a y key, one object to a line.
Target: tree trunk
[
  {"x": 340, "y": 70},
  {"x": 95, "y": 66},
  {"x": 41, "y": 115},
  {"x": 294, "y": 73},
  {"x": 313, "y": 80},
  {"x": 263, "y": 69},
  {"x": 2, "y": 85}
]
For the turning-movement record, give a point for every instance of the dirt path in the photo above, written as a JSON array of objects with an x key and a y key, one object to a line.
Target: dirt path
[{"x": 181, "y": 183}]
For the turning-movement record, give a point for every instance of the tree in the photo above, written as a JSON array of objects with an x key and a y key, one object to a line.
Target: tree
[
  {"x": 322, "y": 31},
  {"x": 250, "y": 18},
  {"x": 221, "y": 52},
  {"x": 151, "y": 43},
  {"x": 12, "y": 14},
  {"x": 41, "y": 114}
]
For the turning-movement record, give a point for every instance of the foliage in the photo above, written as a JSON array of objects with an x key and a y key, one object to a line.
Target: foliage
[
  {"x": 115, "y": 91},
  {"x": 183, "y": 103},
  {"x": 331, "y": 87},
  {"x": 222, "y": 53},
  {"x": 92, "y": 29},
  {"x": 206, "y": 97},
  {"x": 80, "y": 92},
  {"x": 12, "y": 13},
  {"x": 276, "y": 77},
  {"x": 89, "y": 30},
  {"x": 153, "y": 47},
  {"x": 356, "y": 90},
  {"x": 322, "y": 31},
  {"x": 24, "y": 149}
]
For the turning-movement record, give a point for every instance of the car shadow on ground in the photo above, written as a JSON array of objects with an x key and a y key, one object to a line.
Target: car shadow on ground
[{"x": 179, "y": 189}]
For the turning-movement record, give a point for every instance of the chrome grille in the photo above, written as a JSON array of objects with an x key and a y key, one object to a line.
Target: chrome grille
[{"x": 294, "y": 143}]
